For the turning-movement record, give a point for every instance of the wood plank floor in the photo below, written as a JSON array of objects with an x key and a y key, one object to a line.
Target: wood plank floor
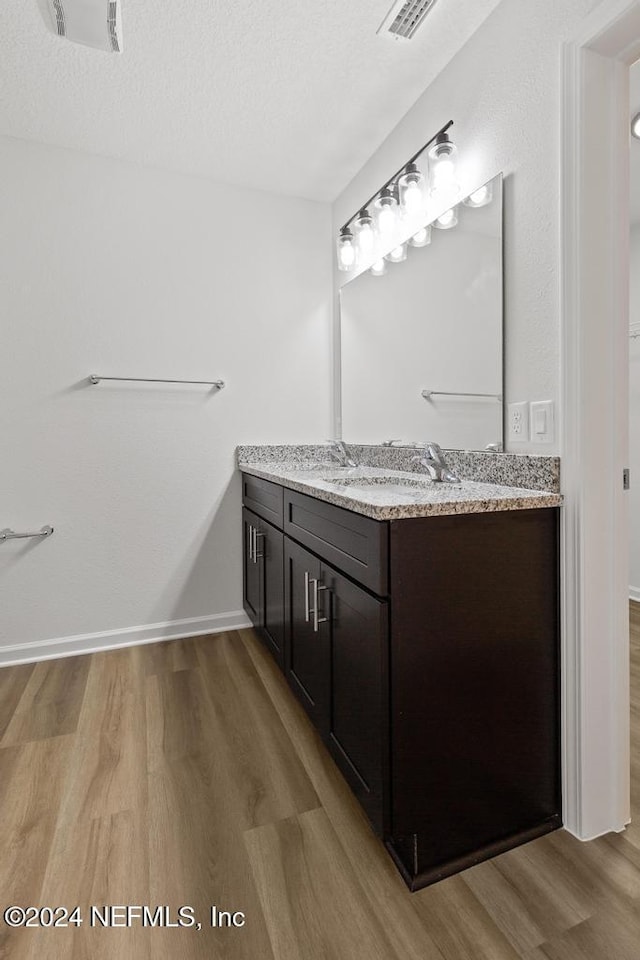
[{"x": 185, "y": 773}]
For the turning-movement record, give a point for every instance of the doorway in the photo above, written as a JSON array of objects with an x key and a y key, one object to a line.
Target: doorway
[
  {"x": 634, "y": 427},
  {"x": 595, "y": 448}
]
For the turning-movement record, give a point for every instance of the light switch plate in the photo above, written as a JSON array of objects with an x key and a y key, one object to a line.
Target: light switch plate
[
  {"x": 542, "y": 421},
  {"x": 518, "y": 421}
]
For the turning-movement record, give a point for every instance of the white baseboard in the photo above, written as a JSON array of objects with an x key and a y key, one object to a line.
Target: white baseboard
[
  {"x": 634, "y": 594},
  {"x": 125, "y": 637}
]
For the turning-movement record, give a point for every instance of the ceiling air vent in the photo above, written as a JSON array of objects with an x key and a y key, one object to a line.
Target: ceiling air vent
[
  {"x": 58, "y": 12},
  {"x": 112, "y": 26},
  {"x": 94, "y": 23},
  {"x": 405, "y": 17}
]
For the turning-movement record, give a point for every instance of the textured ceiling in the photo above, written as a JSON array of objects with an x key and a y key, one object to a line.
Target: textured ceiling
[{"x": 287, "y": 97}]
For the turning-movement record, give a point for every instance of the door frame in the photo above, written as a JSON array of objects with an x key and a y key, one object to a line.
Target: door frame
[{"x": 595, "y": 437}]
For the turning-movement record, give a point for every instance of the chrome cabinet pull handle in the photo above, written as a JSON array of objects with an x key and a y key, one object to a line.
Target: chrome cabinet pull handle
[
  {"x": 254, "y": 533},
  {"x": 250, "y": 532},
  {"x": 257, "y": 556},
  {"x": 317, "y": 587},
  {"x": 307, "y": 611}
]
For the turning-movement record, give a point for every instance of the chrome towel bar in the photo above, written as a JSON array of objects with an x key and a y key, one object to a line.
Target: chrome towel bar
[
  {"x": 8, "y": 534},
  {"x": 219, "y": 384},
  {"x": 427, "y": 394}
]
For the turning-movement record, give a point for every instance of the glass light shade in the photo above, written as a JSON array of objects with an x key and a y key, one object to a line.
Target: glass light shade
[
  {"x": 635, "y": 126},
  {"x": 447, "y": 220},
  {"x": 364, "y": 236},
  {"x": 481, "y": 197},
  {"x": 346, "y": 250},
  {"x": 397, "y": 254},
  {"x": 412, "y": 194},
  {"x": 387, "y": 212},
  {"x": 442, "y": 169},
  {"x": 379, "y": 268},
  {"x": 422, "y": 237}
]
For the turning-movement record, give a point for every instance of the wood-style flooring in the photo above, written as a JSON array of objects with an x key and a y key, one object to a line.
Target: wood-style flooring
[{"x": 185, "y": 773}]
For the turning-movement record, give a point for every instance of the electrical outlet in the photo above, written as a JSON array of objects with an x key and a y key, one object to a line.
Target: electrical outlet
[
  {"x": 518, "y": 415},
  {"x": 542, "y": 426}
]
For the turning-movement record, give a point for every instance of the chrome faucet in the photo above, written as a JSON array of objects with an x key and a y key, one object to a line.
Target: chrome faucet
[
  {"x": 340, "y": 451},
  {"x": 435, "y": 464}
]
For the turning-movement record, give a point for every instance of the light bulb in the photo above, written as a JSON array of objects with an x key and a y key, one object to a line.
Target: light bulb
[
  {"x": 635, "y": 126},
  {"x": 422, "y": 237},
  {"x": 365, "y": 237},
  {"x": 442, "y": 169},
  {"x": 480, "y": 198},
  {"x": 386, "y": 207},
  {"x": 447, "y": 220},
  {"x": 397, "y": 254},
  {"x": 443, "y": 181},
  {"x": 411, "y": 185},
  {"x": 346, "y": 250},
  {"x": 387, "y": 221},
  {"x": 379, "y": 268},
  {"x": 413, "y": 199}
]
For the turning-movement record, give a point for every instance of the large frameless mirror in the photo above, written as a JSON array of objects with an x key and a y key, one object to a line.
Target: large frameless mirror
[{"x": 421, "y": 343}]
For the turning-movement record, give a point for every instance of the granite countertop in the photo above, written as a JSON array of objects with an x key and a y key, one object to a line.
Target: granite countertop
[{"x": 385, "y": 494}]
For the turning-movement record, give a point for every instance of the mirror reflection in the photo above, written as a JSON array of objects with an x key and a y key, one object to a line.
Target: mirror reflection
[{"x": 421, "y": 334}]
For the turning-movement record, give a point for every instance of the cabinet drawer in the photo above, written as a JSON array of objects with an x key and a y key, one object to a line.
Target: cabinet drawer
[
  {"x": 264, "y": 498},
  {"x": 354, "y": 544}
]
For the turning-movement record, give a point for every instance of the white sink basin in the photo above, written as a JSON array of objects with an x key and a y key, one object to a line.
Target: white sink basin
[{"x": 383, "y": 484}]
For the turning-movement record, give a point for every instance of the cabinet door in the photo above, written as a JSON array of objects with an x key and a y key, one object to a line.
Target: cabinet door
[
  {"x": 251, "y": 569},
  {"x": 307, "y": 639},
  {"x": 359, "y": 711},
  {"x": 271, "y": 559}
]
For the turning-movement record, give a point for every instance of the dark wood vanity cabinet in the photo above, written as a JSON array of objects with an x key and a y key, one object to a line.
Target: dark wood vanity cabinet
[
  {"x": 262, "y": 580},
  {"x": 425, "y": 652},
  {"x": 475, "y": 686}
]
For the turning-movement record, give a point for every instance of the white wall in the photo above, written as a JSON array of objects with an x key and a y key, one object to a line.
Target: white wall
[
  {"x": 112, "y": 268},
  {"x": 503, "y": 92},
  {"x": 634, "y": 417}
]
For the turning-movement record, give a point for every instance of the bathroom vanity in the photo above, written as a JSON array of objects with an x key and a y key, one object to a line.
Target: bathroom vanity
[{"x": 418, "y": 627}]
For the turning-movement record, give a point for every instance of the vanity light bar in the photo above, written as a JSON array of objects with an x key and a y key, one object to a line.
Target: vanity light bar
[
  {"x": 392, "y": 179},
  {"x": 404, "y": 192}
]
